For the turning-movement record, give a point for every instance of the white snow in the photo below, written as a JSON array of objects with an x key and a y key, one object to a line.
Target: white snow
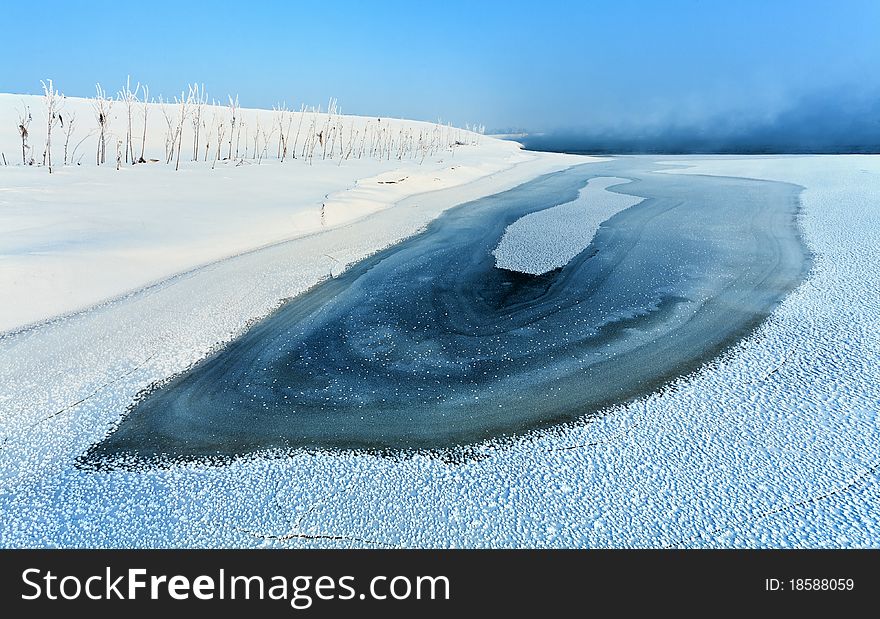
[
  {"x": 775, "y": 444},
  {"x": 86, "y": 234},
  {"x": 545, "y": 240}
]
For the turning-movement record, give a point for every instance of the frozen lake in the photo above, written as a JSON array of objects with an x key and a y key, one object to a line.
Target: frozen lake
[{"x": 429, "y": 345}]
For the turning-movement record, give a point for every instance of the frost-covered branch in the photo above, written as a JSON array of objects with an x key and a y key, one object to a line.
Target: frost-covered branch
[
  {"x": 102, "y": 106},
  {"x": 129, "y": 98},
  {"x": 146, "y": 111},
  {"x": 68, "y": 132},
  {"x": 53, "y": 101},
  {"x": 24, "y": 122}
]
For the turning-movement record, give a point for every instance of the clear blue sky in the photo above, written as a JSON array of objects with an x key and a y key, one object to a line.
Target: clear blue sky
[{"x": 538, "y": 65}]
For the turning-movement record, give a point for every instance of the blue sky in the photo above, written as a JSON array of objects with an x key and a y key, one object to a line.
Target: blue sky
[{"x": 536, "y": 65}]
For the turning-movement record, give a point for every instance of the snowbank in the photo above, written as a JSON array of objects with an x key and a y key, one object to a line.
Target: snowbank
[
  {"x": 86, "y": 233},
  {"x": 549, "y": 239}
]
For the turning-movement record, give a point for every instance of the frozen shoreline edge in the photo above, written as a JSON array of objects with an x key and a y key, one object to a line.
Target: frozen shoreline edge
[
  {"x": 516, "y": 173},
  {"x": 723, "y": 450}
]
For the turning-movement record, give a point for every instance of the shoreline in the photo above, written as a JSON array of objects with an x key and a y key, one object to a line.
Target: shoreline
[
  {"x": 749, "y": 447},
  {"x": 63, "y": 259},
  {"x": 393, "y": 354},
  {"x": 85, "y": 235},
  {"x": 157, "y": 331}
]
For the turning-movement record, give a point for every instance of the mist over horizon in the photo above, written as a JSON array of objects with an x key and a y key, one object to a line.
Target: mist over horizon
[{"x": 829, "y": 121}]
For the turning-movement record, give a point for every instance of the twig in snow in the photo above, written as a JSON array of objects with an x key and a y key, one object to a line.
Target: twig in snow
[
  {"x": 779, "y": 366},
  {"x": 290, "y": 536},
  {"x": 610, "y": 439},
  {"x": 93, "y": 393},
  {"x": 784, "y": 508}
]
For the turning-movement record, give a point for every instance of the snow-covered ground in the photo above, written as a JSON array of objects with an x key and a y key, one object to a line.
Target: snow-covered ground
[
  {"x": 774, "y": 444},
  {"x": 85, "y": 233},
  {"x": 549, "y": 239}
]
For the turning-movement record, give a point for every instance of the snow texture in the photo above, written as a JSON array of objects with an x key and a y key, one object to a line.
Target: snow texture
[
  {"x": 775, "y": 444},
  {"x": 61, "y": 232},
  {"x": 549, "y": 239}
]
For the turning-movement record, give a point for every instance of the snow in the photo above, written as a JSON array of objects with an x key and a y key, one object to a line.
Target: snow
[
  {"x": 61, "y": 232},
  {"x": 775, "y": 444},
  {"x": 549, "y": 239}
]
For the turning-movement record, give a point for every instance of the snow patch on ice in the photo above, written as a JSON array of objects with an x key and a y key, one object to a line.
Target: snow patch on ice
[{"x": 545, "y": 240}]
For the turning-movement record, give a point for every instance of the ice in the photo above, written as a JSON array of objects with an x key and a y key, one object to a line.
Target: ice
[
  {"x": 549, "y": 239},
  {"x": 775, "y": 444}
]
